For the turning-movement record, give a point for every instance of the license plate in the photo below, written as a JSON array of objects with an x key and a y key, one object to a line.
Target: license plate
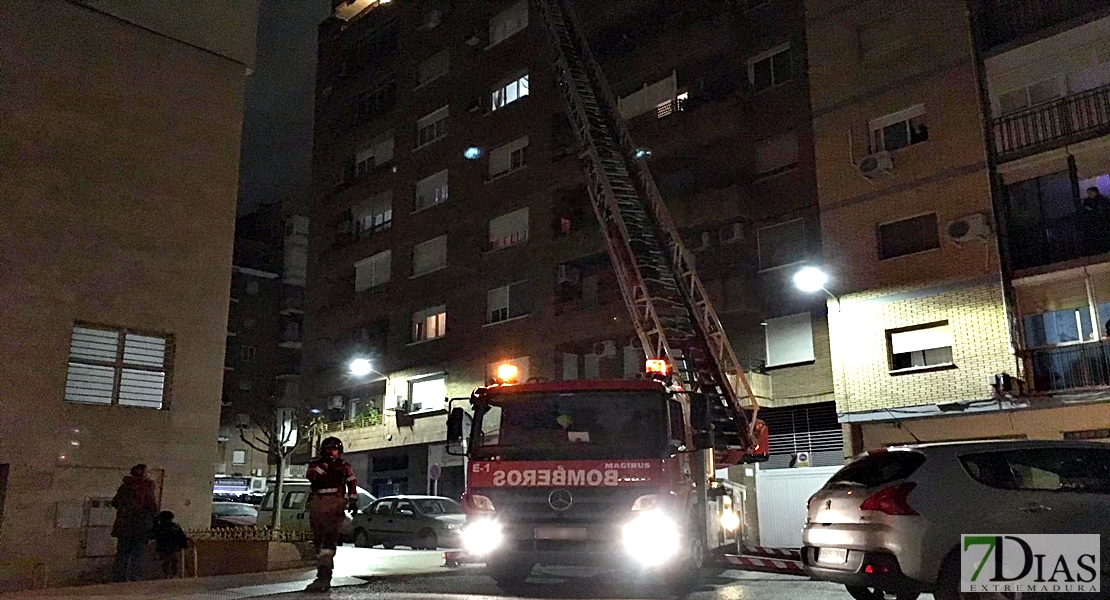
[
  {"x": 561, "y": 533},
  {"x": 836, "y": 556}
]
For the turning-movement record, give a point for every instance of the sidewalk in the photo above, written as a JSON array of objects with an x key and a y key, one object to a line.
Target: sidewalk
[{"x": 353, "y": 566}]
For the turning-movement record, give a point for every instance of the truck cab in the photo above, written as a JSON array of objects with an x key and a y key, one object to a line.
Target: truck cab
[{"x": 596, "y": 472}]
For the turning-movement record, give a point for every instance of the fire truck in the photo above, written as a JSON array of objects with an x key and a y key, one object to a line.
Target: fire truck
[{"x": 588, "y": 472}]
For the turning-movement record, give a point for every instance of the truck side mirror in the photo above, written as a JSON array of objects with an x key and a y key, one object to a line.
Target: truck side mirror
[
  {"x": 455, "y": 420},
  {"x": 700, "y": 421}
]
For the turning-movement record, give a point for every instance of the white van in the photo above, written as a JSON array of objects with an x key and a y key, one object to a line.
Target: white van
[{"x": 294, "y": 506}]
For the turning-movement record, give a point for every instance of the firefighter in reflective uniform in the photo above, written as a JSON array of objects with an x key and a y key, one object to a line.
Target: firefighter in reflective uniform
[{"x": 333, "y": 491}]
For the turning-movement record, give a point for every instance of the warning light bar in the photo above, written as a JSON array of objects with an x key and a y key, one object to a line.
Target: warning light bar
[
  {"x": 656, "y": 367},
  {"x": 507, "y": 373}
]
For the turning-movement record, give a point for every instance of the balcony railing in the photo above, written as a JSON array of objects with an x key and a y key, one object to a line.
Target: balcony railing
[
  {"x": 1067, "y": 120},
  {"x": 1074, "y": 367},
  {"x": 1006, "y": 20}
]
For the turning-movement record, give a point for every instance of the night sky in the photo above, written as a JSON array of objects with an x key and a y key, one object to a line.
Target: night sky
[{"x": 276, "y": 158}]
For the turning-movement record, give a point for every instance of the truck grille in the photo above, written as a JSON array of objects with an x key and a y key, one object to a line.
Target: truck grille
[{"x": 590, "y": 505}]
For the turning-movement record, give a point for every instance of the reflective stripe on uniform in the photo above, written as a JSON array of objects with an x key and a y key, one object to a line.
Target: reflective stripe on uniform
[{"x": 327, "y": 491}]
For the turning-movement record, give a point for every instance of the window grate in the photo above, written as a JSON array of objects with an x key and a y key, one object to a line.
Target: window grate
[{"x": 118, "y": 366}]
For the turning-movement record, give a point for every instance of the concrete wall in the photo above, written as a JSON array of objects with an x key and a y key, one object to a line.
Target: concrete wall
[{"x": 121, "y": 152}]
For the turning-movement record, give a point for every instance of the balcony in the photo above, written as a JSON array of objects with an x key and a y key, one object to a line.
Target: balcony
[
  {"x": 1053, "y": 124},
  {"x": 1068, "y": 368},
  {"x": 1008, "y": 20}
]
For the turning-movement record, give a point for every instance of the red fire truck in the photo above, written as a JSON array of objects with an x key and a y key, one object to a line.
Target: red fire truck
[{"x": 593, "y": 472}]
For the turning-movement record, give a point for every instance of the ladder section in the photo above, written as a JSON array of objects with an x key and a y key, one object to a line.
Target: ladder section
[{"x": 667, "y": 302}]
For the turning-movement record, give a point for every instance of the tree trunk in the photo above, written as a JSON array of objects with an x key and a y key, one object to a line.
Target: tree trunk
[{"x": 279, "y": 483}]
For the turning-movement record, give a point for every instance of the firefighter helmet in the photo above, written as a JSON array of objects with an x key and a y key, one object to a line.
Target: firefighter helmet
[{"x": 331, "y": 442}]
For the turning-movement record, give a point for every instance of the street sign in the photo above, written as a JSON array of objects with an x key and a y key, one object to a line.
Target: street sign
[{"x": 434, "y": 471}]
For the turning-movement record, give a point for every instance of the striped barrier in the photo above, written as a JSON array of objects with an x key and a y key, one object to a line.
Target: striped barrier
[
  {"x": 791, "y": 567},
  {"x": 784, "y": 553}
]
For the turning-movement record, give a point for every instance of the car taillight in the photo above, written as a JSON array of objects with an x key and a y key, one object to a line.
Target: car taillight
[{"x": 891, "y": 500}]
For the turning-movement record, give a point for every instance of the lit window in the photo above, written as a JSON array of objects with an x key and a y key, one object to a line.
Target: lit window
[
  {"x": 238, "y": 457},
  {"x": 927, "y": 346},
  {"x": 508, "y": 22},
  {"x": 431, "y": 190},
  {"x": 908, "y": 236},
  {"x": 507, "y": 158},
  {"x": 508, "y": 302},
  {"x": 782, "y": 244},
  {"x": 431, "y": 127},
  {"x": 373, "y": 271},
  {"x": 110, "y": 365},
  {"x": 510, "y": 91},
  {"x": 770, "y": 68},
  {"x": 374, "y": 215},
  {"x": 432, "y": 68},
  {"x": 898, "y": 130},
  {"x": 429, "y": 323},
  {"x": 428, "y": 394},
  {"x": 429, "y": 256},
  {"x": 509, "y": 229}
]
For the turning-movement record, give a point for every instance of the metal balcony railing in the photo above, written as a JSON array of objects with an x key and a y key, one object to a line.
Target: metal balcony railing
[
  {"x": 1067, "y": 120},
  {"x": 1074, "y": 367},
  {"x": 1006, "y": 20}
]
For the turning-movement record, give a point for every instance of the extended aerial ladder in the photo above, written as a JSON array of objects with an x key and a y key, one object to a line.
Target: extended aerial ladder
[{"x": 670, "y": 309}]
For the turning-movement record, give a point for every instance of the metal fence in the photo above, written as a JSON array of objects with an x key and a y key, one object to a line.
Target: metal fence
[
  {"x": 248, "y": 534},
  {"x": 1069, "y": 119},
  {"x": 1074, "y": 367},
  {"x": 355, "y": 423}
]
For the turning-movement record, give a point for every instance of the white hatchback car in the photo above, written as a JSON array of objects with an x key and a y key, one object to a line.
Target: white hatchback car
[{"x": 889, "y": 522}]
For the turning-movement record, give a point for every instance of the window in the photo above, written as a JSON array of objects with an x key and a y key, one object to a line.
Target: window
[
  {"x": 428, "y": 393},
  {"x": 405, "y": 509},
  {"x": 383, "y": 508},
  {"x": 1031, "y": 95},
  {"x": 432, "y": 68},
  {"x": 431, "y": 127},
  {"x": 770, "y": 68},
  {"x": 429, "y": 324},
  {"x": 376, "y": 101},
  {"x": 789, "y": 340},
  {"x": 926, "y": 346},
  {"x": 782, "y": 244},
  {"x": 509, "y": 91},
  {"x": 908, "y": 236},
  {"x": 1043, "y": 220},
  {"x": 1075, "y": 470},
  {"x": 295, "y": 500},
  {"x": 659, "y": 97},
  {"x": 376, "y": 153},
  {"x": 507, "y": 22},
  {"x": 247, "y": 353},
  {"x": 248, "y": 322},
  {"x": 373, "y": 271},
  {"x": 508, "y": 302},
  {"x": 252, "y": 287},
  {"x": 374, "y": 215},
  {"x": 429, "y": 256},
  {"x": 776, "y": 154},
  {"x": 677, "y": 423},
  {"x": 885, "y": 36},
  {"x": 238, "y": 457},
  {"x": 431, "y": 190},
  {"x": 898, "y": 130},
  {"x": 508, "y": 158},
  {"x": 110, "y": 365},
  {"x": 509, "y": 229},
  {"x": 877, "y": 469},
  {"x": 246, "y": 385}
]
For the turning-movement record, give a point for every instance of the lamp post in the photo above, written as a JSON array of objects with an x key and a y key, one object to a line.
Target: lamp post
[{"x": 811, "y": 280}]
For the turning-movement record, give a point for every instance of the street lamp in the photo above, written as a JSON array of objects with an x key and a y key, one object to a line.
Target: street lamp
[{"x": 810, "y": 280}]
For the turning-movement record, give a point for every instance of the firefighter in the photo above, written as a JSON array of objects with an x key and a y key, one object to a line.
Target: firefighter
[{"x": 333, "y": 490}]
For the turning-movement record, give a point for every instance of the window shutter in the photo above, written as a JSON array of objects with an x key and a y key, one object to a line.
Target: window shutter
[
  {"x": 499, "y": 160},
  {"x": 921, "y": 339},
  {"x": 509, "y": 229},
  {"x": 789, "y": 340},
  {"x": 429, "y": 255},
  {"x": 431, "y": 190}
]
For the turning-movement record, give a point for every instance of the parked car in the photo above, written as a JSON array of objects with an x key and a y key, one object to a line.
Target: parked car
[
  {"x": 294, "y": 507},
  {"x": 233, "y": 514},
  {"x": 890, "y": 521},
  {"x": 419, "y": 522}
]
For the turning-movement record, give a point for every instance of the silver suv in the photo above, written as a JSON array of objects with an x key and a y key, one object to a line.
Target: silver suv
[{"x": 890, "y": 521}]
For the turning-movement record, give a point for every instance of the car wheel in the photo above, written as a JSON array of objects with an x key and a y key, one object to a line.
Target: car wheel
[
  {"x": 427, "y": 540},
  {"x": 948, "y": 584},
  {"x": 860, "y": 592},
  {"x": 388, "y": 546},
  {"x": 362, "y": 539}
]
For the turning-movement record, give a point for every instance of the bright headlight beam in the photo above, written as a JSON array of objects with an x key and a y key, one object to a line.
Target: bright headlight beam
[
  {"x": 651, "y": 538},
  {"x": 482, "y": 537}
]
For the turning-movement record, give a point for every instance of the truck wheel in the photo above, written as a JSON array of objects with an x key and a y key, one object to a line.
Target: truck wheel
[{"x": 509, "y": 573}]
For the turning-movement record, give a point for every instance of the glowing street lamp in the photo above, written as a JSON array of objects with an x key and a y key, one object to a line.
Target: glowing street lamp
[
  {"x": 360, "y": 367},
  {"x": 810, "y": 280}
]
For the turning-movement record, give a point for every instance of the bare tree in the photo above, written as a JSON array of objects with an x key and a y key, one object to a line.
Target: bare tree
[{"x": 273, "y": 431}]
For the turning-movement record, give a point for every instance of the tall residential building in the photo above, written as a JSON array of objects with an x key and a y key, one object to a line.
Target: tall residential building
[
  {"x": 940, "y": 247},
  {"x": 451, "y": 229},
  {"x": 120, "y": 151},
  {"x": 264, "y": 341}
]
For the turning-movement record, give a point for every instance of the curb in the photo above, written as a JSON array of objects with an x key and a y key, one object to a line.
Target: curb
[{"x": 789, "y": 567}]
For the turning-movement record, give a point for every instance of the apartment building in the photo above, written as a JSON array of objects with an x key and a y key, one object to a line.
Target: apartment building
[
  {"x": 923, "y": 233},
  {"x": 121, "y": 159},
  {"x": 452, "y": 230},
  {"x": 264, "y": 340}
]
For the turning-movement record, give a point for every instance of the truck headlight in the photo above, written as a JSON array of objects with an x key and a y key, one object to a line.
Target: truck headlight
[
  {"x": 482, "y": 537},
  {"x": 730, "y": 520},
  {"x": 651, "y": 537}
]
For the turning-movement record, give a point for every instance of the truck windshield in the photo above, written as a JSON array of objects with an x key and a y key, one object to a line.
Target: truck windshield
[{"x": 538, "y": 426}]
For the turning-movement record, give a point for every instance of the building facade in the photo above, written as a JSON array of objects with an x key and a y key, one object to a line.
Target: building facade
[
  {"x": 452, "y": 230},
  {"x": 120, "y": 145},
  {"x": 922, "y": 220}
]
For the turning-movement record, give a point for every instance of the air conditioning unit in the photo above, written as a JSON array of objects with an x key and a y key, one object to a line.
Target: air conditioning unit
[
  {"x": 732, "y": 234},
  {"x": 606, "y": 349},
  {"x": 569, "y": 274},
  {"x": 876, "y": 164},
  {"x": 975, "y": 226},
  {"x": 335, "y": 401}
]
